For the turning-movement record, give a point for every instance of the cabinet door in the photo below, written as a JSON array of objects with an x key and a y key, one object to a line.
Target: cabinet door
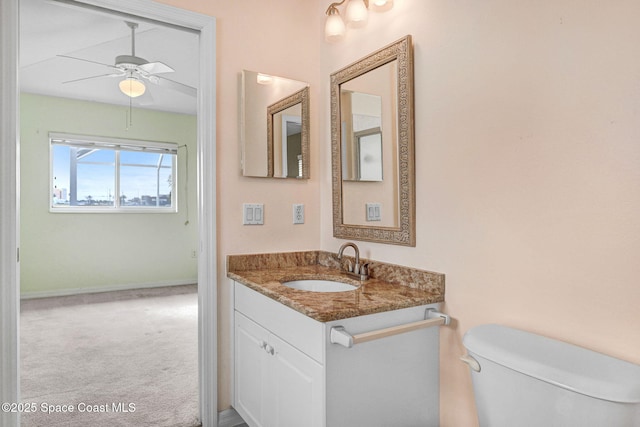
[
  {"x": 297, "y": 385},
  {"x": 251, "y": 367}
]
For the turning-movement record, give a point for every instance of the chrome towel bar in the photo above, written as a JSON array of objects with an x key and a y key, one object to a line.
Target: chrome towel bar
[{"x": 340, "y": 336}]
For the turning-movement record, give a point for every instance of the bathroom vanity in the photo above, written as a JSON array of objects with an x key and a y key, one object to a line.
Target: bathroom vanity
[{"x": 294, "y": 364}]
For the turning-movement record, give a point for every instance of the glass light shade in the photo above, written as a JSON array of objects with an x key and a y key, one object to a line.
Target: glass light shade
[
  {"x": 356, "y": 13},
  {"x": 334, "y": 28},
  {"x": 381, "y": 5},
  {"x": 132, "y": 87}
]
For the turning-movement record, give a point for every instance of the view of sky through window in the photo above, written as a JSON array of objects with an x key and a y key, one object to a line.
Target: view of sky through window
[{"x": 143, "y": 177}]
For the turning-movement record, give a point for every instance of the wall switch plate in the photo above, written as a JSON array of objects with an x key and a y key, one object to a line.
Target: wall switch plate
[
  {"x": 252, "y": 213},
  {"x": 374, "y": 212},
  {"x": 298, "y": 213}
]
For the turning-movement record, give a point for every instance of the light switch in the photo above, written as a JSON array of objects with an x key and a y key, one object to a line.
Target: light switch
[
  {"x": 252, "y": 213},
  {"x": 374, "y": 212}
]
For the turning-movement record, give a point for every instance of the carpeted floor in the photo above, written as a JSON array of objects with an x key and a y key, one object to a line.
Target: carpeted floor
[{"x": 126, "y": 358}]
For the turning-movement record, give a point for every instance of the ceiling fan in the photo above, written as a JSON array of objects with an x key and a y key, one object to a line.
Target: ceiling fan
[{"x": 135, "y": 71}]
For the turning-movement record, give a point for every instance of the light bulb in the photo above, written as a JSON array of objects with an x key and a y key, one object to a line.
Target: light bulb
[
  {"x": 263, "y": 79},
  {"x": 381, "y": 5},
  {"x": 334, "y": 28},
  {"x": 132, "y": 87},
  {"x": 356, "y": 14}
]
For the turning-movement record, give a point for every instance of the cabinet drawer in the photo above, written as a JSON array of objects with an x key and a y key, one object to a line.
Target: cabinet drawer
[{"x": 300, "y": 331}]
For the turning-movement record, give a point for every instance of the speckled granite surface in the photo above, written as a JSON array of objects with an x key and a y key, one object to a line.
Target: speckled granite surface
[{"x": 390, "y": 287}]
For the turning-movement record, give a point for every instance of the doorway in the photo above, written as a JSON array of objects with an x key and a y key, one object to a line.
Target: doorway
[{"x": 206, "y": 251}]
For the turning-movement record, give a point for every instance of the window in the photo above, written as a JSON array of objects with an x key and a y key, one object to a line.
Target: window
[{"x": 95, "y": 174}]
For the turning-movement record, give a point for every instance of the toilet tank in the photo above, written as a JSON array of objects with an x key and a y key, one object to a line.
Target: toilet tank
[{"x": 527, "y": 380}]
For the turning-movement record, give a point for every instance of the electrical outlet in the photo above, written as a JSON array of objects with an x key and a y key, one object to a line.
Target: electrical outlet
[
  {"x": 298, "y": 213},
  {"x": 194, "y": 254},
  {"x": 252, "y": 214}
]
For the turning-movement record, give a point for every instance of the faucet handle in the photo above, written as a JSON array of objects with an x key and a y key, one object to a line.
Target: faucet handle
[
  {"x": 364, "y": 271},
  {"x": 349, "y": 266}
]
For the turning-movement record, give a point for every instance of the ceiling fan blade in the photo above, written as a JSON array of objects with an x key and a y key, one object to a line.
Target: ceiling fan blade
[
  {"x": 146, "y": 98},
  {"x": 92, "y": 77},
  {"x": 88, "y": 60},
  {"x": 156, "y": 68},
  {"x": 173, "y": 85}
]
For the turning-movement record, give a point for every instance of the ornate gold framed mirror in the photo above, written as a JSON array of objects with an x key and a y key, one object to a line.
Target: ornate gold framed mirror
[{"x": 372, "y": 147}]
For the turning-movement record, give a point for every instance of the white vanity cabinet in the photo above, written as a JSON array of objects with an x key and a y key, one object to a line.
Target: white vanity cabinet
[
  {"x": 288, "y": 374},
  {"x": 276, "y": 384},
  {"x": 278, "y": 368}
]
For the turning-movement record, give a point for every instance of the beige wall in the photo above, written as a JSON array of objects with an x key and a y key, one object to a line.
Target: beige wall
[
  {"x": 527, "y": 154},
  {"x": 274, "y": 37},
  {"x": 528, "y": 169}
]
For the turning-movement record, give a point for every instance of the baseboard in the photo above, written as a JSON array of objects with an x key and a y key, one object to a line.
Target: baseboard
[
  {"x": 99, "y": 289},
  {"x": 229, "y": 418}
]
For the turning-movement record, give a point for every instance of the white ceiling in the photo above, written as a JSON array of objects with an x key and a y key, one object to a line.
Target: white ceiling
[{"x": 48, "y": 28}]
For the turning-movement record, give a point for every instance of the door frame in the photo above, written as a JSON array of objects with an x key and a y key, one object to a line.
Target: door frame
[{"x": 10, "y": 196}]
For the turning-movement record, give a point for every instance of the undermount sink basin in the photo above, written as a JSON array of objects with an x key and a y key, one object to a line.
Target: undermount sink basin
[{"x": 318, "y": 285}]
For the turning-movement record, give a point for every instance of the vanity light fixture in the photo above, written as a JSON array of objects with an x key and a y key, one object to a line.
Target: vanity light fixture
[
  {"x": 356, "y": 15},
  {"x": 381, "y": 5},
  {"x": 132, "y": 86}
]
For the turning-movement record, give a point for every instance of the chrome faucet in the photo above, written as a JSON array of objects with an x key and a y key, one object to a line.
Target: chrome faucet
[{"x": 361, "y": 271}]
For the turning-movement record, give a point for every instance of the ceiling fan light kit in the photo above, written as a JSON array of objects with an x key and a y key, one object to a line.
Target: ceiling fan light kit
[{"x": 132, "y": 87}]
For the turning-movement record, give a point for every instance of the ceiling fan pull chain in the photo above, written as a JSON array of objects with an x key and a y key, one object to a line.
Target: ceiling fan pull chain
[{"x": 129, "y": 115}]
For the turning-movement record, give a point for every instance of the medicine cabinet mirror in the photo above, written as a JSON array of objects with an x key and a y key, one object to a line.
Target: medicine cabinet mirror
[
  {"x": 372, "y": 147},
  {"x": 275, "y": 126}
]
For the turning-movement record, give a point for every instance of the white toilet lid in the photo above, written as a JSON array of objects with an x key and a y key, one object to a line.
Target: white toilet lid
[{"x": 575, "y": 368}]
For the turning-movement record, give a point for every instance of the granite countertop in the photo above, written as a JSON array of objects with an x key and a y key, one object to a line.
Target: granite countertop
[{"x": 390, "y": 287}]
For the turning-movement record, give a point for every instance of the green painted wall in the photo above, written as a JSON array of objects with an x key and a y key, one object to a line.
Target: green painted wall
[{"x": 76, "y": 251}]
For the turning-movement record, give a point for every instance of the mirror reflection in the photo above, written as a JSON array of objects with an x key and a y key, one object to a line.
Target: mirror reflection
[
  {"x": 361, "y": 136},
  {"x": 367, "y": 105},
  {"x": 268, "y": 103},
  {"x": 287, "y": 129},
  {"x": 372, "y": 147}
]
